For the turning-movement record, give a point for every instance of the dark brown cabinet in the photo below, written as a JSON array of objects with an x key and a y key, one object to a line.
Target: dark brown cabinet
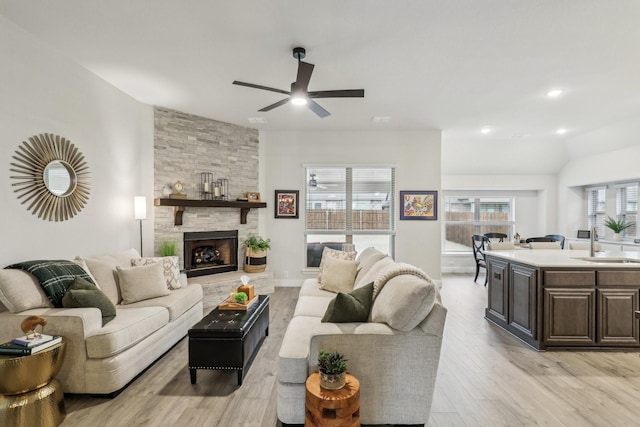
[
  {"x": 569, "y": 317},
  {"x": 497, "y": 290},
  {"x": 523, "y": 282},
  {"x": 616, "y": 322}
]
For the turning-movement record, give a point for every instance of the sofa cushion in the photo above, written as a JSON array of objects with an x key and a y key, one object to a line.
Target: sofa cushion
[
  {"x": 21, "y": 291},
  {"x": 313, "y": 306},
  {"x": 368, "y": 258},
  {"x": 404, "y": 302},
  {"x": 352, "y": 307},
  {"x": 294, "y": 352},
  {"x": 103, "y": 269},
  {"x": 338, "y": 275},
  {"x": 311, "y": 287},
  {"x": 130, "y": 326},
  {"x": 178, "y": 302},
  {"x": 328, "y": 253},
  {"x": 55, "y": 276},
  {"x": 170, "y": 265},
  {"x": 373, "y": 271},
  {"x": 140, "y": 283},
  {"x": 81, "y": 293}
]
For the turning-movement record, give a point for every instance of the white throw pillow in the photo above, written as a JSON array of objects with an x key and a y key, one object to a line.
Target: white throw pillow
[
  {"x": 404, "y": 302},
  {"x": 339, "y": 275},
  {"x": 170, "y": 268},
  {"x": 336, "y": 254},
  {"x": 141, "y": 283},
  {"x": 21, "y": 291}
]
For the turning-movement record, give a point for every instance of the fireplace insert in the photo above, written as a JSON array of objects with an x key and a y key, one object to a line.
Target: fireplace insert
[{"x": 210, "y": 252}]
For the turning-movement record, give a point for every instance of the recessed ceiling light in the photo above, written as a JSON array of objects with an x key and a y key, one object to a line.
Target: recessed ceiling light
[
  {"x": 380, "y": 119},
  {"x": 485, "y": 130},
  {"x": 561, "y": 131},
  {"x": 555, "y": 93},
  {"x": 255, "y": 120}
]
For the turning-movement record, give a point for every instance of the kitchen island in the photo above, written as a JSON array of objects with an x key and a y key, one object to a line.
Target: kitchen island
[{"x": 565, "y": 299}]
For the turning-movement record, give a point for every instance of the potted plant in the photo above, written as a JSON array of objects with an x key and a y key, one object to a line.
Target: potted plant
[
  {"x": 256, "y": 253},
  {"x": 617, "y": 226},
  {"x": 333, "y": 370},
  {"x": 168, "y": 248}
]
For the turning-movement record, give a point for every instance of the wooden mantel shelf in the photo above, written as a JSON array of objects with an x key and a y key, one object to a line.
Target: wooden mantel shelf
[{"x": 180, "y": 204}]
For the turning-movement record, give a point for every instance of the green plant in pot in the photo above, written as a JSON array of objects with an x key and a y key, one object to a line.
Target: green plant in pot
[
  {"x": 168, "y": 248},
  {"x": 333, "y": 370},
  {"x": 617, "y": 226},
  {"x": 240, "y": 297},
  {"x": 256, "y": 253}
]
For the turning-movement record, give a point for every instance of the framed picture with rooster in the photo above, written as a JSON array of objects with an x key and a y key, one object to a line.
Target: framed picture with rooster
[{"x": 419, "y": 205}]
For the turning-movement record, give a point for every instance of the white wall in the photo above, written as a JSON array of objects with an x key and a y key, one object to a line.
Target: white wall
[
  {"x": 42, "y": 92},
  {"x": 535, "y": 206},
  {"x": 416, "y": 154}
]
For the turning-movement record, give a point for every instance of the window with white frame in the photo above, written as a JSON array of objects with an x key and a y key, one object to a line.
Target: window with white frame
[
  {"x": 597, "y": 208},
  {"x": 627, "y": 207},
  {"x": 466, "y": 216},
  {"x": 349, "y": 205}
]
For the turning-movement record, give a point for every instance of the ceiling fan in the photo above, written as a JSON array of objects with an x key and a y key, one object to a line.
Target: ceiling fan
[
  {"x": 299, "y": 94},
  {"x": 313, "y": 183}
]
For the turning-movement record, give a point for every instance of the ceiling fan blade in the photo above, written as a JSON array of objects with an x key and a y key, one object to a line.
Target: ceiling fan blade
[
  {"x": 236, "y": 82},
  {"x": 316, "y": 108},
  {"x": 347, "y": 93},
  {"x": 304, "y": 75},
  {"x": 277, "y": 104}
]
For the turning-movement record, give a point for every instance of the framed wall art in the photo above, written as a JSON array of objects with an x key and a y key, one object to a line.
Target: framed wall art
[
  {"x": 421, "y": 205},
  {"x": 286, "y": 203}
]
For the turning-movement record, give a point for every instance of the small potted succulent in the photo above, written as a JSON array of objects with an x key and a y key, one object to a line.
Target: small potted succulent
[
  {"x": 617, "y": 226},
  {"x": 333, "y": 370},
  {"x": 240, "y": 297}
]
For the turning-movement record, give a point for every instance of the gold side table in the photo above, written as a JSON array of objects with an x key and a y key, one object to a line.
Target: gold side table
[{"x": 29, "y": 393}]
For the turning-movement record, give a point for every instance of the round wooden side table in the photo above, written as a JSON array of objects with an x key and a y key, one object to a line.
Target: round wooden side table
[
  {"x": 332, "y": 408},
  {"x": 29, "y": 393}
]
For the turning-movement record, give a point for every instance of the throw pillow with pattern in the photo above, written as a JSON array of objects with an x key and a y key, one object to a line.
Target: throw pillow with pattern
[
  {"x": 170, "y": 268},
  {"x": 333, "y": 253}
]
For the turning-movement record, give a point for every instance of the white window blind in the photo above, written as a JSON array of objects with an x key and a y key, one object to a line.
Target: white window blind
[
  {"x": 597, "y": 208},
  {"x": 627, "y": 207}
]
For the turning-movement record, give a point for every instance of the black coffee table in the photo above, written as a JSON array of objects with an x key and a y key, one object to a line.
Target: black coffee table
[{"x": 228, "y": 339}]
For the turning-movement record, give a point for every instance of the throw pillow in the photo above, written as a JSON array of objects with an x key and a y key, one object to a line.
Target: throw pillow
[
  {"x": 104, "y": 272},
  {"x": 140, "y": 283},
  {"x": 21, "y": 291},
  {"x": 368, "y": 258},
  {"x": 170, "y": 267},
  {"x": 339, "y": 275},
  {"x": 84, "y": 294},
  {"x": 352, "y": 307},
  {"x": 333, "y": 253},
  {"x": 55, "y": 276}
]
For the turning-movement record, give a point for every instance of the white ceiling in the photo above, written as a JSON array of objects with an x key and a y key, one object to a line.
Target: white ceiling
[{"x": 453, "y": 65}]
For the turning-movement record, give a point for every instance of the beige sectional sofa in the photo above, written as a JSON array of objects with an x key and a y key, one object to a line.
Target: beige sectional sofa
[
  {"x": 103, "y": 359},
  {"x": 394, "y": 355}
]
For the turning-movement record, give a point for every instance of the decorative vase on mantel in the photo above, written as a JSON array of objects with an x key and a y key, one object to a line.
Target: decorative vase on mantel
[
  {"x": 255, "y": 261},
  {"x": 333, "y": 381}
]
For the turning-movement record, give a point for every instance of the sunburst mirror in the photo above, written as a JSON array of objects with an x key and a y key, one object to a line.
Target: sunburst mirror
[{"x": 52, "y": 177}]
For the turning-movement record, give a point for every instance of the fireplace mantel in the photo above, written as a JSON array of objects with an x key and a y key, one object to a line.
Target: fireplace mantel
[{"x": 180, "y": 204}]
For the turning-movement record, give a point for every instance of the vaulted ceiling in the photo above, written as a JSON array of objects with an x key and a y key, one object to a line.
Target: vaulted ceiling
[{"x": 455, "y": 66}]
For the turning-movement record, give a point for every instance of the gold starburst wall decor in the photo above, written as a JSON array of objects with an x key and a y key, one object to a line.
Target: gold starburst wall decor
[{"x": 52, "y": 177}]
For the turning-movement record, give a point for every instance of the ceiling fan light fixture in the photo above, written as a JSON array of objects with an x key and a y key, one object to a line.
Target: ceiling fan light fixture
[
  {"x": 298, "y": 96},
  {"x": 298, "y": 100}
]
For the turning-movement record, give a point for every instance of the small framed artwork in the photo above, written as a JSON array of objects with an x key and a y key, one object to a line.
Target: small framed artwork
[
  {"x": 422, "y": 205},
  {"x": 286, "y": 203},
  {"x": 253, "y": 196}
]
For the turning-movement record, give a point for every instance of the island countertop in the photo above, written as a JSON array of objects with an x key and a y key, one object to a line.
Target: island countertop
[{"x": 570, "y": 258}]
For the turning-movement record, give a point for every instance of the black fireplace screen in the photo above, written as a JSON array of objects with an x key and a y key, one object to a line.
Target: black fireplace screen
[{"x": 210, "y": 252}]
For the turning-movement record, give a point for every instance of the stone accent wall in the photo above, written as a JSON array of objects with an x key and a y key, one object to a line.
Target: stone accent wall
[{"x": 186, "y": 145}]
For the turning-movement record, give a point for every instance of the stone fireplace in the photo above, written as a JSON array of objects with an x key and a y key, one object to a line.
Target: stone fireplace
[{"x": 210, "y": 252}]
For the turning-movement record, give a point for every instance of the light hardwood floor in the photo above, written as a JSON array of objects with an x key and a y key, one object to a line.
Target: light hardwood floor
[{"x": 486, "y": 378}]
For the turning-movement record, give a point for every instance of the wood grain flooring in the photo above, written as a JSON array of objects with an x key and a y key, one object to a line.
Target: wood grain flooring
[{"x": 486, "y": 378}]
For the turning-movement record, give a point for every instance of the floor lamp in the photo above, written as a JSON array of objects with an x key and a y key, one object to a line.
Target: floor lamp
[{"x": 140, "y": 212}]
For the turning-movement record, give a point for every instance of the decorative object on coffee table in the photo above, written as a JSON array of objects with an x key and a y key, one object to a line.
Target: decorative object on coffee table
[
  {"x": 256, "y": 254},
  {"x": 333, "y": 369},
  {"x": 332, "y": 407},
  {"x": 29, "y": 393},
  {"x": 228, "y": 340},
  {"x": 241, "y": 299}
]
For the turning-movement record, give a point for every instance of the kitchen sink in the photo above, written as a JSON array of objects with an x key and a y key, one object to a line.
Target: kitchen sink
[{"x": 611, "y": 260}]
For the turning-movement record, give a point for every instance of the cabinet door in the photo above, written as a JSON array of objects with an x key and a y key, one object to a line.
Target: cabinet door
[
  {"x": 616, "y": 322},
  {"x": 497, "y": 292},
  {"x": 569, "y": 316},
  {"x": 523, "y": 286}
]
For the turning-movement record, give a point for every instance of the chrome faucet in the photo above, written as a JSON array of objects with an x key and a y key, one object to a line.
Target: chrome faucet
[{"x": 594, "y": 237}]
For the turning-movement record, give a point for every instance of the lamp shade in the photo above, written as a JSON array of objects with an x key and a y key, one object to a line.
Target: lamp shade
[{"x": 140, "y": 207}]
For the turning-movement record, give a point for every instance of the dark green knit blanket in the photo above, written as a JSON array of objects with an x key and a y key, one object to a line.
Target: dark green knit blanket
[{"x": 55, "y": 276}]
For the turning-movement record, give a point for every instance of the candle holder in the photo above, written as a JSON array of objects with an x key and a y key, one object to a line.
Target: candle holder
[
  {"x": 223, "y": 185},
  {"x": 206, "y": 186}
]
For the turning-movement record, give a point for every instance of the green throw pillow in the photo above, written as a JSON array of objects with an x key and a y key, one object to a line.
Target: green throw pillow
[
  {"x": 83, "y": 294},
  {"x": 352, "y": 307}
]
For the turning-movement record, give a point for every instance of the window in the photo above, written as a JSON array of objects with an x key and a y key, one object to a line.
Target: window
[
  {"x": 627, "y": 207},
  {"x": 597, "y": 208},
  {"x": 466, "y": 216},
  {"x": 349, "y": 205}
]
